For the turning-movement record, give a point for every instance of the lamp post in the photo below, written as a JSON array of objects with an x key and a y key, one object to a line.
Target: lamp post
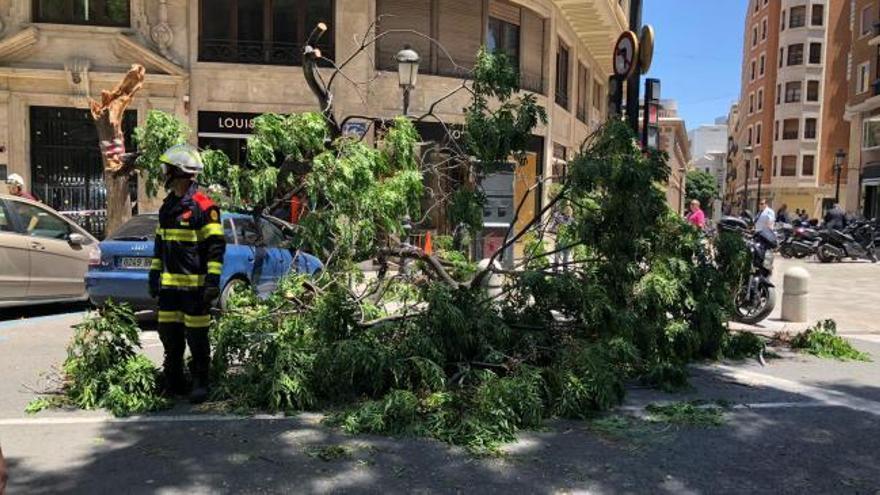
[
  {"x": 408, "y": 71},
  {"x": 759, "y": 170},
  {"x": 747, "y": 155},
  {"x": 839, "y": 157}
]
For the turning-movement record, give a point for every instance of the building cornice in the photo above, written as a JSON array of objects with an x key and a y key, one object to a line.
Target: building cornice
[
  {"x": 872, "y": 103},
  {"x": 20, "y": 43},
  {"x": 127, "y": 47}
]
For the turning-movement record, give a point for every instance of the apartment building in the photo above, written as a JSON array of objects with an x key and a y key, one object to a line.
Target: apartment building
[
  {"x": 219, "y": 63},
  {"x": 709, "y": 154},
  {"x": 790, "y": 114},
  {"x": 862, "y": 173},
  {"x": 675, "y": 142}
]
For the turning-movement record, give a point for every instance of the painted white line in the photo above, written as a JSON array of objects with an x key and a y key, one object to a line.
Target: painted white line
[
  {"x": 827, "y": 397},
  {"x": 782, "y": 405},
  {"x": 874, "y": 338}
]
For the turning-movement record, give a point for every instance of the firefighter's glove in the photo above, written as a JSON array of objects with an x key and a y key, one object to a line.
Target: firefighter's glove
[
  {"x": 154, "y": 283},
  {"x": 212, "y": 289}
]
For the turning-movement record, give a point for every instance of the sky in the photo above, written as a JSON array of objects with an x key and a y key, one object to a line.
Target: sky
[{"x": 698, "y": 54}]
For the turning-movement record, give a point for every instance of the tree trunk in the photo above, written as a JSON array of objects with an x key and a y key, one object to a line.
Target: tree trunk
[{"x": 108, "y": 115}]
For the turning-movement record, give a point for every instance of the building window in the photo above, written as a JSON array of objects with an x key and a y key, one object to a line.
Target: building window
[
  {"x": 503, "y": 37},
  {"x": 752, "y": 71},
  {"x": 583, "y": 92},
  {"x": 812, "y": 90},
  {"x": 262, "y": 31},
  {"x": 815, "y": 53},
  {"x": 760, "y": 99},
  {"x": 809, "y": 128},
  {"x": 778, "y": 94},
  {"x": 762, "y": 64},
  {"x": 764, "y": 30},
  {"x": 749, "y": 136},
  {"x": 818, "y": 17},
  {"x": 751, "y": 103},
  {"x": 795, "y": 54},
  {"x": 755, "y": 36},
  {"x": 871, "y": 134},
  {"x": 864, "y": 78},
  {"x": 790, "y": 129},
  {"x": 782, "y": 27},
  {"x": 562, "y": 75},
  {"x": 793, "y": 91},
  {"x": 781, "y": 57},
  {"x": 776, "y": 131},
  {"x": 757, "y": 5},
  {"x": 867, "y": 26},
  {"x": 808, "y": 166},
  {"x": 758, "y": 129},
  {"x": 94, "y": 12},
  {"x": 775, "y": 166},
  {"x": 597, "y": 95},
  {"x": 797, "y": 16},
  {"x": 789, "y": 166}
]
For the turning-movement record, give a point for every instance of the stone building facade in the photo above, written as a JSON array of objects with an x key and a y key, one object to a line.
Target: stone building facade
[{"x": 219, "y": 63}]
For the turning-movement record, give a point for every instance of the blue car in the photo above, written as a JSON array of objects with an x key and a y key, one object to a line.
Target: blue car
[{"x": 256, "y": 256}]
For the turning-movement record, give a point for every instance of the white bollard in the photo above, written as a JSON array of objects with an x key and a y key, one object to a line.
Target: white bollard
[{"x": 795, "y": 289}]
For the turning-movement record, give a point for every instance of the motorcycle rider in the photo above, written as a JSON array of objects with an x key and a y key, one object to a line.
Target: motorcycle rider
[
  {"x": 186, "y": 268},
  {"x": 835, "y": 219}
]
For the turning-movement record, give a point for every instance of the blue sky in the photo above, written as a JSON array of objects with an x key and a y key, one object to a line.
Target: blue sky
[{"x": 698, "y": 54}]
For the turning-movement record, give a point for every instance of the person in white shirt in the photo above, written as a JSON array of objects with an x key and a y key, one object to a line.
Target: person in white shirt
[{"x": 766, "y": 218}]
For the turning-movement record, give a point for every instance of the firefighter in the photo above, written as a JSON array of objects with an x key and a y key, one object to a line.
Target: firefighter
[{"x": 185, "y": 273}]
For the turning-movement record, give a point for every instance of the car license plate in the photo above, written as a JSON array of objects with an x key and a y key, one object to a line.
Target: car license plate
[{"x": 133, "y": 263}]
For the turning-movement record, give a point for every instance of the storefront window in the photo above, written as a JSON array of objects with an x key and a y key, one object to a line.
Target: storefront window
[
  {"x": 871, "y": 137},
  {"x": 270, "y": 32},
  {"x": 90, "y": 12}
]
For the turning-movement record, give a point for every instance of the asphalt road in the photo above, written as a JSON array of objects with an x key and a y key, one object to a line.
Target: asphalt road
[{"x": 797, "y": 425}]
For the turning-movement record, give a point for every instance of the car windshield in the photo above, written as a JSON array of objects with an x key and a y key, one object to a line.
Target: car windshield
[{"x": 139, "y": 228}]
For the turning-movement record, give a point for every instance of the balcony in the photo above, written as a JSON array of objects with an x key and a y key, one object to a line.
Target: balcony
[
  {"x": 875, "y": 39},
  {"x": 254, "y": 52}
]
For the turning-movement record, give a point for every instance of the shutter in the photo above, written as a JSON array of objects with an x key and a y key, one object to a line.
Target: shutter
[
  {"x": 461, "y": 32},
  {"x": 505, "y": 11},
  {"x": 402, "y": 14},
  {"x": 532, "y": 51}
]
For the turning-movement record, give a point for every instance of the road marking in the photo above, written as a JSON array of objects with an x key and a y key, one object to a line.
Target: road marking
[
  {"x": 24, "y": 321},
  {"x": 820, "y": 395}
]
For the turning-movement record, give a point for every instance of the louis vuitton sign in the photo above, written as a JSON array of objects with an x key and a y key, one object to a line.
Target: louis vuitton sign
[{"x": 226, "y": 122}]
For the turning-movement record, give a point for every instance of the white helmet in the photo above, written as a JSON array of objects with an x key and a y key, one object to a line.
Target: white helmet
[
  {"x": 184, "y": 158},
  {"x": 15, "y": 180}
]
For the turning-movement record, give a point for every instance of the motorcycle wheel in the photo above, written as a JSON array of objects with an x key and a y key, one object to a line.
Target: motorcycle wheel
[
  {"x": 754, "y": 314},
  {"x": 786, "y": 251},
  {"x": 824, "y": 255}
]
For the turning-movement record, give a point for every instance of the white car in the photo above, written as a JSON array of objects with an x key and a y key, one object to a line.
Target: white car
[{"x": 44, "y": 256}]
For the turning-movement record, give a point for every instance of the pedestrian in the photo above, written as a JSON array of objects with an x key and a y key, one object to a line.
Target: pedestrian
[
  {"x": 15, "y": 183},
  {"x": 782, "y": 214},
  {"x": 696, "y": 217},
  {"x": 766, "y": 218},
  {"x": 835, "y": 219},
  {"x": 562, "y": 218},
  {"x": 185, "y": 274}
]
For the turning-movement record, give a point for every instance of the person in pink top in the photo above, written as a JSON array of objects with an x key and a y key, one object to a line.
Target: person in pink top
[{"x": 696, "y": 217}]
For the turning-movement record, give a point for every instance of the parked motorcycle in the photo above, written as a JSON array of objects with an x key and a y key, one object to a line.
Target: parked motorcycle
[
  {"x": 799, "y": 242},
  {"x": 857, "y": 241},
  {"x": 756, "y": 299}
]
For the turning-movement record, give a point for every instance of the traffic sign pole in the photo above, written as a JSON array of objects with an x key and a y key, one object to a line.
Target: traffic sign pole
[{"x": 633, "y": 83}]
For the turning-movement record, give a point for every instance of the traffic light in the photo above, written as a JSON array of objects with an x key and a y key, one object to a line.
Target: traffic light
[{"x": 651, "y": 115}]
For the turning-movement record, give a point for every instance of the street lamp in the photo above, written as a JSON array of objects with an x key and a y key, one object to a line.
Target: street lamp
[
  {"x": 408, "y": 71},
  {"x": 747, "y": 155},
  {"x": 839, "y": 157},
  {"x": 759, "y": 170}
]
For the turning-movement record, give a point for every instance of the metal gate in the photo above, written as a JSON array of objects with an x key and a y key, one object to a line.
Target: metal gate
[{"x": 66, "y": 167}]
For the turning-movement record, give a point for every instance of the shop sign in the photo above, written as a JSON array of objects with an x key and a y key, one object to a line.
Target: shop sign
[{"x": 227, "y": 122}]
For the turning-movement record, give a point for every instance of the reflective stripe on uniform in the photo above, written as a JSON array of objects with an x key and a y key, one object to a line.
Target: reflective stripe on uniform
[
  {"x": 181, "y": 280},
  {"x": 215, "y": 267},
  {"x": 211, "y": 229},
  {"x": 171, "y": 316},
  {"x": 197, "y": 321},
  {"x": 179, "y": 235},
  {"x": 156, "y": 264}
]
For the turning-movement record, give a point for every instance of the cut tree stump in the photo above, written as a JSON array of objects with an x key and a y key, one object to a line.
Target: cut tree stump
[{"x": 108, "y": 115}]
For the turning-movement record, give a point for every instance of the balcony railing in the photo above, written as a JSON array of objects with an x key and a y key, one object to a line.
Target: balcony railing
[{"x": 255, "y": 52}]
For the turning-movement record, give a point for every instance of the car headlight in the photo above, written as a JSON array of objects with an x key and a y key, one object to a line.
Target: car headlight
[
  {"x": 768, "y": 260},
  {"x": 95, "y": 256}
]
